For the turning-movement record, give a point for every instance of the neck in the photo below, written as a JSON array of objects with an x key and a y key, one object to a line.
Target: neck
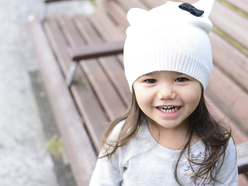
[{"x": 174, "y": 139}]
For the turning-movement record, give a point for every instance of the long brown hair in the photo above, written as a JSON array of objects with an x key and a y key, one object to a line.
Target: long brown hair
[{"x": 214, "y": 136}]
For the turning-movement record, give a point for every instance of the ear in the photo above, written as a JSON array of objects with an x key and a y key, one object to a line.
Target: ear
[
  {"x": 136, "y": 16},
  {"x": 205, "y": 5}
]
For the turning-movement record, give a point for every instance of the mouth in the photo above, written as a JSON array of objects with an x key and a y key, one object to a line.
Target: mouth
[{"x": 169, "y": 109}]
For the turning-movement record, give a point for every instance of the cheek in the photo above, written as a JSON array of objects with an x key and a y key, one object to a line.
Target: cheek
[
  {"x": 193, "y": 96},
  {"x": 143, "y": 97}
]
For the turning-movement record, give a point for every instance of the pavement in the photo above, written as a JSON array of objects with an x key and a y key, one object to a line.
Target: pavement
[{"x": 26, "y": 121}]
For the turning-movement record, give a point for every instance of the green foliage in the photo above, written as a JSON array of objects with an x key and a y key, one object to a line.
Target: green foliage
[
  {"x": 55, "y": 146},
  {"x": 94, "y": 2}
]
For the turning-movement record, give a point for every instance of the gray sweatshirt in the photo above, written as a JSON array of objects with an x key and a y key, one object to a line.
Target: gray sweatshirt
[{"x": 144, "y": 162}]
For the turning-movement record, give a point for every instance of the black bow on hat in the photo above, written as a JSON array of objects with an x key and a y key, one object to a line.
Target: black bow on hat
[{"x": 191, "y": 9}]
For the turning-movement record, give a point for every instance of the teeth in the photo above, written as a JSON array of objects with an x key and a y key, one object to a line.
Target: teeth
[{"x": 168, "y": 109}]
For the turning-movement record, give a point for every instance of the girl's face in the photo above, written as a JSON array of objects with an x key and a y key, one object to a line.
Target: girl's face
[{"x": 168, "y": 98}]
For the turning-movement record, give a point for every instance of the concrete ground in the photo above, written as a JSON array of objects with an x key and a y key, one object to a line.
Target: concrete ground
[{"x": 26, "y": 121}]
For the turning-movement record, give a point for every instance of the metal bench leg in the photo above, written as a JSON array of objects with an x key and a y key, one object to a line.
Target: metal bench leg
[
  {"x": 44, "y": 13},
  {"x": 71, "y": 73}
]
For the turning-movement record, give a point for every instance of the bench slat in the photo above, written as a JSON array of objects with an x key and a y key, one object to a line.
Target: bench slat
[
  {"x": 68, "y": 29},
  {"x": 82, "y": 90},
  {"x": 118, "y": 78},
  {"x": 239, "y": 135},
  {"x": 93, "y": 116},
  {"x": 224, "y": 19},
  {"x": 241, "y": 4},
  {"x": 118, "y": 14},
  {"x": 114, "y": 71},
  {"x": 231, "y": 60},
  {"x": 60, "y": 45},
  {"x": 104, "y": 26},
  {"x": 105, "y": 91},
  {"x": 223, "y": 88},
  {"x": 100, "y": 82},
  {"x": 78, "y": 147}
]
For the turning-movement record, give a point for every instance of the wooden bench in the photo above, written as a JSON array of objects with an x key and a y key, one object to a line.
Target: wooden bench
[{"x": 99, "y": 91}]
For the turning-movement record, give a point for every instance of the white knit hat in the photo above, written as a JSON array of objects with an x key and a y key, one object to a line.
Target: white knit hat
[{"x": 169, "y": 38}]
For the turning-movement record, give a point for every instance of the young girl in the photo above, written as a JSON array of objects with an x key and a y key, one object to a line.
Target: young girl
[{"x": 167, "y": 136}]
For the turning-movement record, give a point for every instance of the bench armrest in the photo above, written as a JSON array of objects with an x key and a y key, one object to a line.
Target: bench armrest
[
  {"x": 96, "y": 50},
  {"x": 242, "y": 157}
]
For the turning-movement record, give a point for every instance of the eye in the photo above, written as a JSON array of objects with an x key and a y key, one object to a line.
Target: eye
[
  {"x": 182, "y": 79},
  {"x": 150, "y": 81}
]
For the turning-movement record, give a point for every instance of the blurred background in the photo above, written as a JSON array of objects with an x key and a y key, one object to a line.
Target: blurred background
[{"x": 31, "y": 150}]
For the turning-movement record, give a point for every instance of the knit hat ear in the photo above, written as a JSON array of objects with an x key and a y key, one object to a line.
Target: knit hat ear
[
  {"x": 205, "y": 5},
  {"x": 136, "y": 16}
]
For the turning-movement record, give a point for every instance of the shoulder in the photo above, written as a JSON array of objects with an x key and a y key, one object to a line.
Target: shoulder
[
  {"x": 229, "y": 157},
  {"x": 116, "y": 131},
  {"x": 230, "y": 149}
]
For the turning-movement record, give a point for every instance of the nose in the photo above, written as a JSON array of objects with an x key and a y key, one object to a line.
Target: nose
[{"x": 166, "y": 92}]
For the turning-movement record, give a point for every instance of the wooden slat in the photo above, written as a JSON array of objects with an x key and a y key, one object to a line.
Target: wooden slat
[
  {"x": 241, "y": 4},
  {"x": 105, "y": 92},
  {"x": 112, "y": 67},
  {"x": 93, "y": 115},
  {"x": 68, "y": 29},
  {"x": 230, "y": 95},
  {"x": 87, "y": 106},
  {"x": 118, "y": 78},
  {"x": 238, "y": 134},
  {"x": 104, "y": 26},
  {"x": 117, "y": 14},
  {"x": 225, "y": 19},
  {"x": 58, "y": 43},
  {"x": 78, "y": 147},
  {"x": 110, "y": 64},
  {"x": 231, "y": 60},
  {"x": 82, "y": 90}
]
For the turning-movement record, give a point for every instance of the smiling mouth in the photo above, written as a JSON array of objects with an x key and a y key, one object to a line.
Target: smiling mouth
[{"x": 169, "y": 109}]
